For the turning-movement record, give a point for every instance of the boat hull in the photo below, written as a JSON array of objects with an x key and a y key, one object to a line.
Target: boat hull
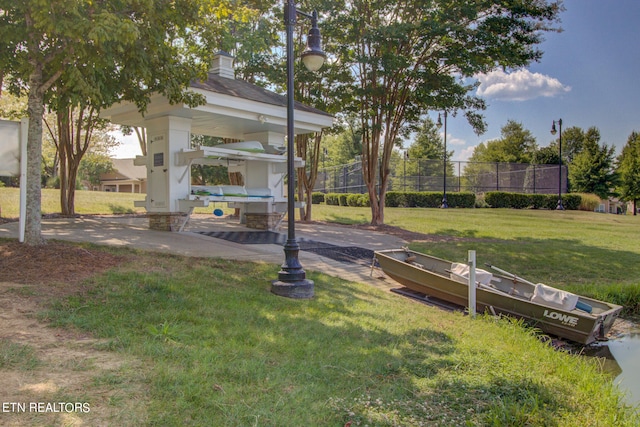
[{"x": 432, "y": 276}]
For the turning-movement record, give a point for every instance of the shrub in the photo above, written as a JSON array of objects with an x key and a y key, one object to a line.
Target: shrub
[
  {"x": 538, "y": 201},
  {"x": 342, "y": 199},
  {"x": 331, "y": 199},
  {"x": 317, "y": 198},
  {"x": 461, "y": 200},
  {"x": 395, "y": 199},
  {"x": 358, "y": 200},
  {"x": 353, "y": 200},
  {"x": 497, "y": 199},
  {"x": 481, "y": 202},
  {"x": 571, "y": 201},
  {"x": 426, "y": 199},
  {"x": 501, "y": 199},
  {"x": 589, "y": 202}
]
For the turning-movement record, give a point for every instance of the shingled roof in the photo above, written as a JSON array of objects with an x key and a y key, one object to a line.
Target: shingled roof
[{"x": 242, "y": 89}]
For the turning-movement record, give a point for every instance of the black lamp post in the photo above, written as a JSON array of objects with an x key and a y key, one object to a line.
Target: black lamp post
[
  {"x": 444, "y": 186},
  {"x": 404, "y": 170},
  {"x": 292, "y": 282},
  {"x": 553, "y": 132}
]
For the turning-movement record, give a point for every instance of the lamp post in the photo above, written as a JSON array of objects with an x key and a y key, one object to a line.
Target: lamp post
[
  {"x": 559, "y": 207},
  {"x": 324, "y": 169},
  {"x": 444, "y": 186},
  {"x": 404, "y": 170},
  {"x": 292, "y": 282}
]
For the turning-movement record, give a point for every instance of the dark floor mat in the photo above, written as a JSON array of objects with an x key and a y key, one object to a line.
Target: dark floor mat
[
  {"x": 248, "y": 237},
  {"x": 350, "y": 254}
]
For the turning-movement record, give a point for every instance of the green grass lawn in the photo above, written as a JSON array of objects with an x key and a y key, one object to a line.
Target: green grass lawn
[
  {"x": 86, "y": 202},
  {"x": 219, "y": 349},
  {"x": 585, "y": 252},
  {"x": 590, "y": 253}
]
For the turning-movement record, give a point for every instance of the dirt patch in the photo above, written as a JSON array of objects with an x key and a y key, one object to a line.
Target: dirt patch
[{"x": 51, "y": 376}]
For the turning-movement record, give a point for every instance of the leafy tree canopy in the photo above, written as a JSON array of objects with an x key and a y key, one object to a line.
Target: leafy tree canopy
[
  {"x": 413, "y": 56},
  {"x": 428, "y": 143},
  {"x": 629, "y": 169},
  {"x": 517, "y": 145},
  {"x": 592, "y": 170}
]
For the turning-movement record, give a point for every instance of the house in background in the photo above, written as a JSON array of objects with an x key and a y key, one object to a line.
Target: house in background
[
  {"x": 125, "y": 178},
  {"x": 611, "y": 205}
]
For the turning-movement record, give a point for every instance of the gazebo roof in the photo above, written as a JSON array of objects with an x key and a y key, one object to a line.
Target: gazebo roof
[
  {"x": 249, "y": 91},
  {"x": 233, "y": 108}
]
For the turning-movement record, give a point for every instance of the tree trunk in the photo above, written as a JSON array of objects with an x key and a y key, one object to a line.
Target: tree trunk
[
  {"x": 35, "y": 109},
  {"x": 307, "y": 177},
  {"x": 71, "y": 189},
  {"x": 142, "y": 139},
  {"x": 63, "y": 156},
  {"x": 307, "y": 211},
  {"x": 236, "y": 178},
  {"x": 375, "y": 206}
]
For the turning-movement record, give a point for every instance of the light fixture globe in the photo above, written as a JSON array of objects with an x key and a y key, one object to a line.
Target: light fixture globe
[
  {"x": 313, "y": 56},
  {"x": 313, "y": 59}
]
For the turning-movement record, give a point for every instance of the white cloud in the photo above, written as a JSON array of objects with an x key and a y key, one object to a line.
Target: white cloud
[
  {"x": 519, "y": 85},
  {"x": 464, "y": 154},
  {"x": 455, "y": 141}
]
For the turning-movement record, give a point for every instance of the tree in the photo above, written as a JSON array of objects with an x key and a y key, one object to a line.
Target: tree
[
  {"x": 517, "y": 145},
  {"x": 94, "y": 54},
  {"x": 345, "y": 144},
  {"x": 592, "y": 170},
  {"x": 41, "y": 37},
  {"x": 573, "y": 140},
  {"x": 629, "y": 170},
  {"x": 548, "y": 155},
  {"x": 93, "y": 166},
  {"x": 425, "y": 155},
  {"x": 428, "y": 143},
  {"x": 410, "y": 57}
]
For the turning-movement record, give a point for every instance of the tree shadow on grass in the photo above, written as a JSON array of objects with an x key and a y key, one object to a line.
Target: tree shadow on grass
[{"x": 552, "y": 261}]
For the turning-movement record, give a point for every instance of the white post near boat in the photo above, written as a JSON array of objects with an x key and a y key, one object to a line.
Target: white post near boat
[{"x": 472, "y": 283}]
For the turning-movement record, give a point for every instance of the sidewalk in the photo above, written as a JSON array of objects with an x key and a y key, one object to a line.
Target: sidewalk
[{"x": 133, "y": 232}]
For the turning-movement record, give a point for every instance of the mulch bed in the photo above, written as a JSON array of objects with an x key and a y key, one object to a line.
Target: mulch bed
[{"x": 53, "y": 262}]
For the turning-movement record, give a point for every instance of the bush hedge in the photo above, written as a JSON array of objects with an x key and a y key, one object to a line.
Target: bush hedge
[
  {"x": 347, "y": 199},
  {"x": 425, "y": 199},
  {"x": 317, "y": 198},
  {"x": 501, "y": 199}
]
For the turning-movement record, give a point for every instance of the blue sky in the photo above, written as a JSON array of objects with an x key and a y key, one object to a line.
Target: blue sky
[{"x": 588, "y": 76}]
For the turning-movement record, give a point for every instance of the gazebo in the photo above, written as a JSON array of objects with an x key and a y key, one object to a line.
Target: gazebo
[{"x": 236, "y": 110}]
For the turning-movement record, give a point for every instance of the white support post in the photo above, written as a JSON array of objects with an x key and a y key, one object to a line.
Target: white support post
[{"x": 472, "y": 283}]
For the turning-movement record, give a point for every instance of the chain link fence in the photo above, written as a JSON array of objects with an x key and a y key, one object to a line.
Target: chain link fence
[{"x": 429, "y": 175}]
